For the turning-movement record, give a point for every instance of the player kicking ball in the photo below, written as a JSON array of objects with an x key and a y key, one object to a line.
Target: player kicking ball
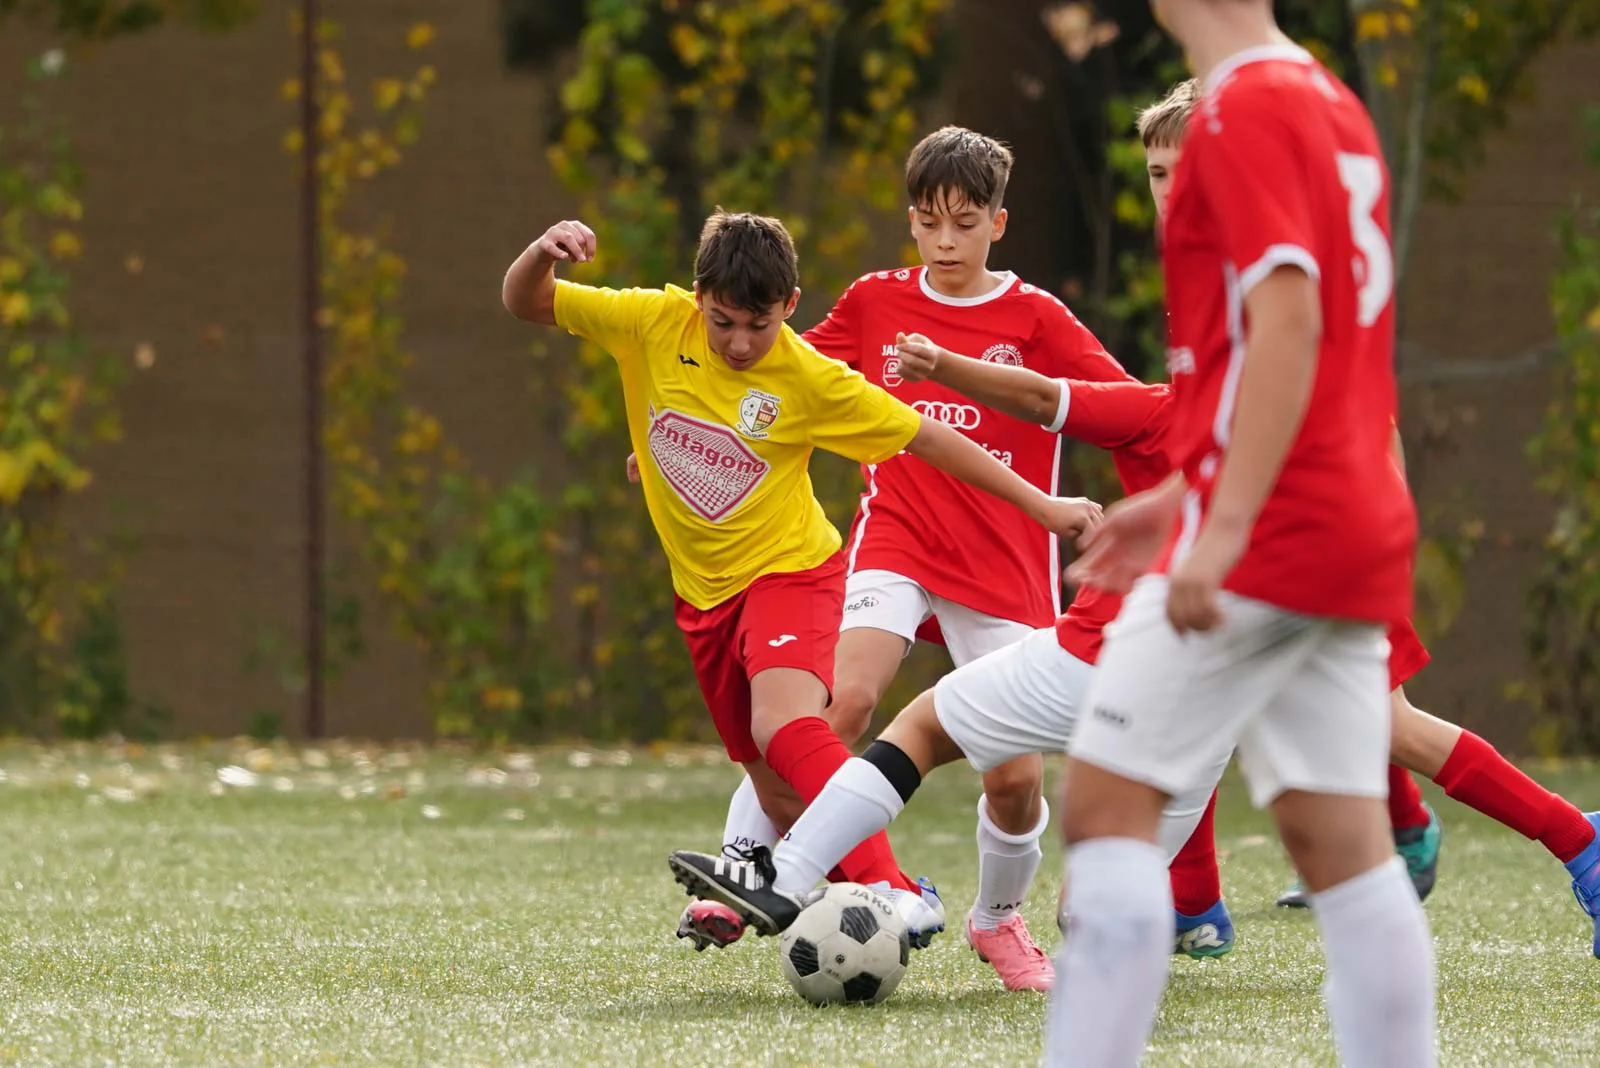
[
  {"x": 926, "y": 550},
  {"x": 1271, "y": 562},
  {"x": 1469, "y": 769},
  {"x": 1022, "y": 699},
  {"x": 724, "y": 406}
]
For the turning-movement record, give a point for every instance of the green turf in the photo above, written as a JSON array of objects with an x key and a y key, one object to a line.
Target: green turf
[{"x": 437, "y": 908}]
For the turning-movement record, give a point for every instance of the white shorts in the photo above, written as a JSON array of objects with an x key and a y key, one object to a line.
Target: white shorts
[
  {"x": 1025, "y": 699},
  {"x": 1305, "y": 700},
  {"x": 884, "y": 600}
]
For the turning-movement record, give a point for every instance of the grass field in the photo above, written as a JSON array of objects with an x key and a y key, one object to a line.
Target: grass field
[{"x": 229, "y": 906}]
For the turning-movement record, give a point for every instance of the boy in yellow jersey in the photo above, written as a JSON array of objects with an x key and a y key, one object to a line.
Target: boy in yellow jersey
[{"x": 725, "y": 405}]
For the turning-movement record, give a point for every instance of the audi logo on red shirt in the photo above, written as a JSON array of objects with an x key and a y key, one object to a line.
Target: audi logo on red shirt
[{"x": 960, "y": 416}]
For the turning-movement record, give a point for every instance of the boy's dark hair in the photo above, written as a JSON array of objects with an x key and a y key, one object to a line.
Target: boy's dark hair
[
  {"x": 747, "y": 261},
  {"x": 1161, "y": 124},
  {"x": 954, "y": 166}
]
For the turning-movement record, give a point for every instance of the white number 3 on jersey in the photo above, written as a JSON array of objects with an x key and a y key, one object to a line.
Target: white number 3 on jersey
[{"x": 1374, "y": 269}]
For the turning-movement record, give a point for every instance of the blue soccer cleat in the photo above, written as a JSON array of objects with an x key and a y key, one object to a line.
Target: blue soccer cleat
[
  {"x": 1419, "y": 847},
  {"x": 921, "y": 909},
  {"x": 1585, "y": 869},
  {"x": 1209, "y": 934}
]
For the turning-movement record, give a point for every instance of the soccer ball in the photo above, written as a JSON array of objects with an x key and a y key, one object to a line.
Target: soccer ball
[{"x": 849, "y": 946}]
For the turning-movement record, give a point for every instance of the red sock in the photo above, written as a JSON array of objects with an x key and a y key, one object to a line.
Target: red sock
[
  {"x": 1405, "y": 800},
  {"x": 1477, "y": 775},
  {"x": 805, "y": 754},
  {"x": 1196, "y": 883}
]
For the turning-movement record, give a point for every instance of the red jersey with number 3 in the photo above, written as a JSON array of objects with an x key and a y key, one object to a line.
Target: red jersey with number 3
[
  {"x": 955, "y": 541},
  {"x": 1281, "y": 167}
]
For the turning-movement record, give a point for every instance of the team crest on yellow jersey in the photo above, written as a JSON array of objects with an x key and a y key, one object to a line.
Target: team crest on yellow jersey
[{"x": 757, "y": 412}]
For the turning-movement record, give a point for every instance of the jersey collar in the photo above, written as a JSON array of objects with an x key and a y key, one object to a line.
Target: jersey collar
[
  {"x": 1259, "y": 54},
  {"x": 1008, "y": 280}
]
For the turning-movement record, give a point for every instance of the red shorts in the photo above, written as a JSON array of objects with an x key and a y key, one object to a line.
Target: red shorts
[
  {"x": 1407, "y": 654},
  {"x": 780, "y": 621}
]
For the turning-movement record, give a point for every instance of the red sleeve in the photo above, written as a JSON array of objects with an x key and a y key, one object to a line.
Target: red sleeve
[
  {"x": 839, "y": 335},
  {"x": 1066, "y": 348},
  {"x": 1112, "y": 415},
  {"x": 1249, "y": 158}
]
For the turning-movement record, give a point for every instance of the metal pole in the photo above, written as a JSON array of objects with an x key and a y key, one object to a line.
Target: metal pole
[{"x": 310, "y": 237}]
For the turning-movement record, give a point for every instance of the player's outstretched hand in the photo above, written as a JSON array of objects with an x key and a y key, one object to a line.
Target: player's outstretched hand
[
  {"x": 1070, "y": 517},
  {"x": 1192, "y": 601},
  {"x": 632, "y": 467},
  {"x": 919, "y": 357},
  {"x": 568, "y": 240},
  {"x": 1122, "y": 547}
]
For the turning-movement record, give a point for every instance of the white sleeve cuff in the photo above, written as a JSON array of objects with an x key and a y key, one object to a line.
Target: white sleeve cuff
[
  {"x": 1055, "y": 425},
  {"x": 1278, "y": 256}
]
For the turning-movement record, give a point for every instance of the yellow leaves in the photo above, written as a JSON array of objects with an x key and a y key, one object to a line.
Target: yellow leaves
[
  {"x": 18, "y": 468},
  {"x": 290, "y": 90},
  {"x": 1473, "y": 87},
  {"x": 11, "y": 270},
  {"x": 331, "y": 66},
  {"x": 1388, "y": 75},
  {"x": 16, "y": 309},
  {"x": 689, "y": 44},
  {"x": 387, "y": 92},
  {"x": 1372, "y": 26},
  {"x": 420, "y": 36},
  {"x": 293, "y": 142},
  {"x": 502, "y": 699},
  {"x": 59, "y": 203},
  {"x": 1130, "y": 207},
  {"x": 65, "y": 245},
  {"x": 1593, "y": 321}
]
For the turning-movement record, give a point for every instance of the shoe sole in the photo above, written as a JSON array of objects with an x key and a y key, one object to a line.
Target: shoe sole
[
  {"x": 697, "y": 884},
  {"x": 718, "y": 934}
]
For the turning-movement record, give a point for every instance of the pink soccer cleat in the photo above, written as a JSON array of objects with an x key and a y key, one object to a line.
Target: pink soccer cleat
[
  {"x": 710, "y": 923},
  {"x": 1015, "y": 955}
]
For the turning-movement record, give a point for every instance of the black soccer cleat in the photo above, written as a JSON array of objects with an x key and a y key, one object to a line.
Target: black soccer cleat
[{"x": 741, "y": 879}]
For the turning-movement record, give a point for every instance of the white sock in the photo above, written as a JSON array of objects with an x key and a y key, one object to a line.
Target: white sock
[
  {"x": 1007, "y": 864},
  {"x": 1379, "y": 987},
  {"x": 857, "y": 803},
  {"x": 1112, "y": 967},
  {"x": 748, "y": 825}
]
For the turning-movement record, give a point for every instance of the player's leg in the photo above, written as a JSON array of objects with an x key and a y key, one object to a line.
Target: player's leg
[
  {"x": 1012, "y": 818},
  {"x": 1416, "y": 827},
  {"x": 1318, "y": 755},
  {"x": 868, "y": 792},
  {"x": 881, "y": 614},
  {"x": 1161, "y": 712},
  {"x": 1204, "y": 928},
  {"x": 858, "y": 802},
  {"x": 1474, "y": 773}
]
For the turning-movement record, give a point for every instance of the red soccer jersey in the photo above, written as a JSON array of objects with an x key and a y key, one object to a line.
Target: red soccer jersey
[
  {"x": 1131, "y": 419},
  {"x": 953, "y": 540},
  {"x": 1281, "y": 166}
]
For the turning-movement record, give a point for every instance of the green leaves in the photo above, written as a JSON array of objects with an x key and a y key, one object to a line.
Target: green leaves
[{"x": 1564, "y": 603}]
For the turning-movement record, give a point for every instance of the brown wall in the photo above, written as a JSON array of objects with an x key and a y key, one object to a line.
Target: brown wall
[
  {"x": 181, "y": 139},
  {"x": 1477, "y": 296}
]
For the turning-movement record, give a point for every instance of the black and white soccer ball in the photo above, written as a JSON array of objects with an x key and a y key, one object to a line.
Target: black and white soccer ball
[{"x": 847, "y": 947}]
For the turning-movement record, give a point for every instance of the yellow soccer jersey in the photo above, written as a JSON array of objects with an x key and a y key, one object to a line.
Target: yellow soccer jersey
[{"x": 724, "y": 454}]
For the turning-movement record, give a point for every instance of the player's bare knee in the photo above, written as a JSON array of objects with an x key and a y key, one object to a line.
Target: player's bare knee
[
  {"x": 850, "y": 713},
  {"x": 1014, "y": 791}
]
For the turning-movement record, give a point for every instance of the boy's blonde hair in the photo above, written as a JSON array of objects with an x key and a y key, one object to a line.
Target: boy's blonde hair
[{"x": 1161, "y": 124}]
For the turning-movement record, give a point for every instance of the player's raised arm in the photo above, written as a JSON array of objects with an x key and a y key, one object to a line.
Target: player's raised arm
[
  {"x": 1017, "y": 391},
  {"x": 529, "y": 290}
]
